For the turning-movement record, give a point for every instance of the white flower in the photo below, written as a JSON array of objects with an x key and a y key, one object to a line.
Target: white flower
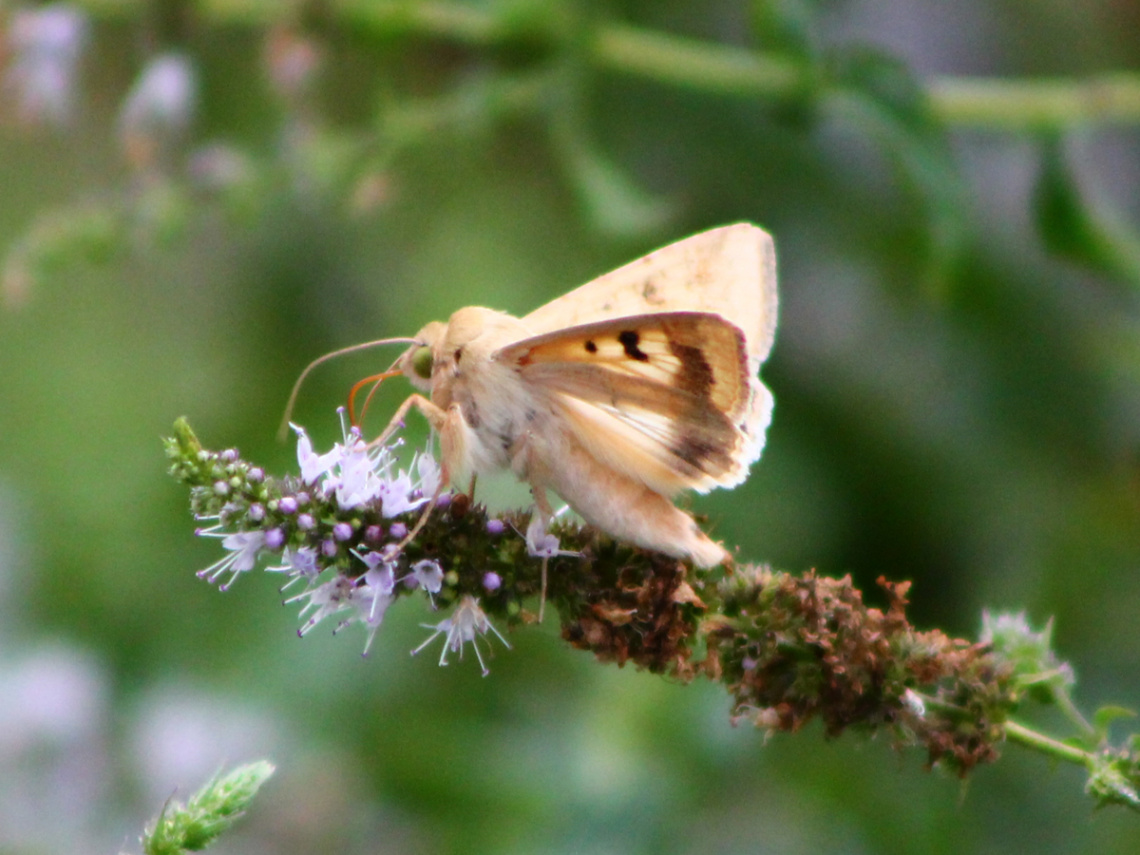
[
  {"x": 428, "y": 470},
  {"x": 914, "y": 704},
  {"x": 244, "y": 546},
  {"x": 396, "y": 494},
  {"x": 329, "y": 598},
  {"x": 371, "y": 603},
  {"x": 429, "y": 575},
  {"x": 162, "y": 99},
  {"x": 540, "y": 543},
  {"x": 313, "y": 466},
  {"x": 368, "y": 597},
  {"x": 356, "y": 483},
  {"x": 467, "y": 621}
]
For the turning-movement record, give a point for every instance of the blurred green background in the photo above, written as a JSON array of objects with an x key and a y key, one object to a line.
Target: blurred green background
[{"x": 956, "y": 378}]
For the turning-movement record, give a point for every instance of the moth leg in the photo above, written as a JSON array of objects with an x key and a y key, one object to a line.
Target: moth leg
[
  {"x": 542, "y": 593},
  {"x": 422, "y": 521},
  {"x": 543, "y": 503},
  {"x": 439, "y": 419},
  {"x": 434, "y": 414},
  {"x": 445, "y": 423},
  {"x": 547, "y": 513},
  {"x": 471, "y": 488}
]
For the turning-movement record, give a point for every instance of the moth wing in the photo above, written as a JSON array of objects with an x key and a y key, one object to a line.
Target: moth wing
[
  {"x": 667, "y": 399},
  {"x": 728, "y": 271}
]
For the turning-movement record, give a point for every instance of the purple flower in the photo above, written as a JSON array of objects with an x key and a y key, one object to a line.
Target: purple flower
[
  {"x": 298, "y": 563},
  {"x": 539, "y": 542},
  {"x": 274, "y": 539},
  {"x": 333, "y": 596},
  {"x": 429, "y": 574}
]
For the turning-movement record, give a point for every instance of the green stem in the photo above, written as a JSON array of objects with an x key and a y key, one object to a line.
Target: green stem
[
  {"x": 679, "y": 61},
  {"x": 1030, "y": 738},
  {"x": 1021, "y": 734},
  {"x": 692, "y": 64},
  {"x": 1036, "y": 104}
]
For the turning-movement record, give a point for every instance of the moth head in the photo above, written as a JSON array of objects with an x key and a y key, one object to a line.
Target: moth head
[{"x": 418, "y": 362}]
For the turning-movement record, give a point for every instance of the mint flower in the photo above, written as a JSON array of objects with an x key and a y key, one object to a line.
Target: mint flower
[
  {"x": 300, "y": 564},
  {"x": 244, "y": 546},
  {"x": 313, "y": 466},
  {"x": 467, "y": 621},
  {"x": 540, "y": 543},
  {"x": 325, "y": 530},
  {"x": 429, "y": 575}
]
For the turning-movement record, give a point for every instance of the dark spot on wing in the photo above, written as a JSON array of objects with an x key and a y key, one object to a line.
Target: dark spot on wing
[
  {"x": 458, "y": 353},
  {"x": 702, "y": 454},
  {"x": 694, "y": 450},
  {"x": 629, "y": 340},
  {"x": 650, "y": 294},
  {"x": 696, "y": 375},
  {"x": 591, "y": 347}
]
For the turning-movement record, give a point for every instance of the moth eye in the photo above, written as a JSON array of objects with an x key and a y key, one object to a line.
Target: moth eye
[{"x": 422, "y": 362}]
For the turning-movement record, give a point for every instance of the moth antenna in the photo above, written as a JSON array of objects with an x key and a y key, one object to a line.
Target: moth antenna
[
  {"x": 375, "y": 380},
  {"x": 283, "y": 431}
]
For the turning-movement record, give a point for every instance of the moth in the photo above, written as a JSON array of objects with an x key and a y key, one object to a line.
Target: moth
[{"x": 617, "y": 396}]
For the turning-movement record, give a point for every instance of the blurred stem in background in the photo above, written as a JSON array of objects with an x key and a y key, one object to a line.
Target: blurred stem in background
[{"x": 907, "y": 116}]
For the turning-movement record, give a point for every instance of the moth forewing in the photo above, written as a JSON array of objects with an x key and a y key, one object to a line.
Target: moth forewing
[{"x": 728, "y": 271}]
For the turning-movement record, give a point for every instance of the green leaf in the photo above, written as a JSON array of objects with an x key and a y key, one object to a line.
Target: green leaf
[
  {"x": 1073, "y": 228},
  {"x": 1104, "y": 717},
  {"x": 613, "y": 202},
  {"x": 784, "y": 25},
  {"x": 209, "y": 812}
]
